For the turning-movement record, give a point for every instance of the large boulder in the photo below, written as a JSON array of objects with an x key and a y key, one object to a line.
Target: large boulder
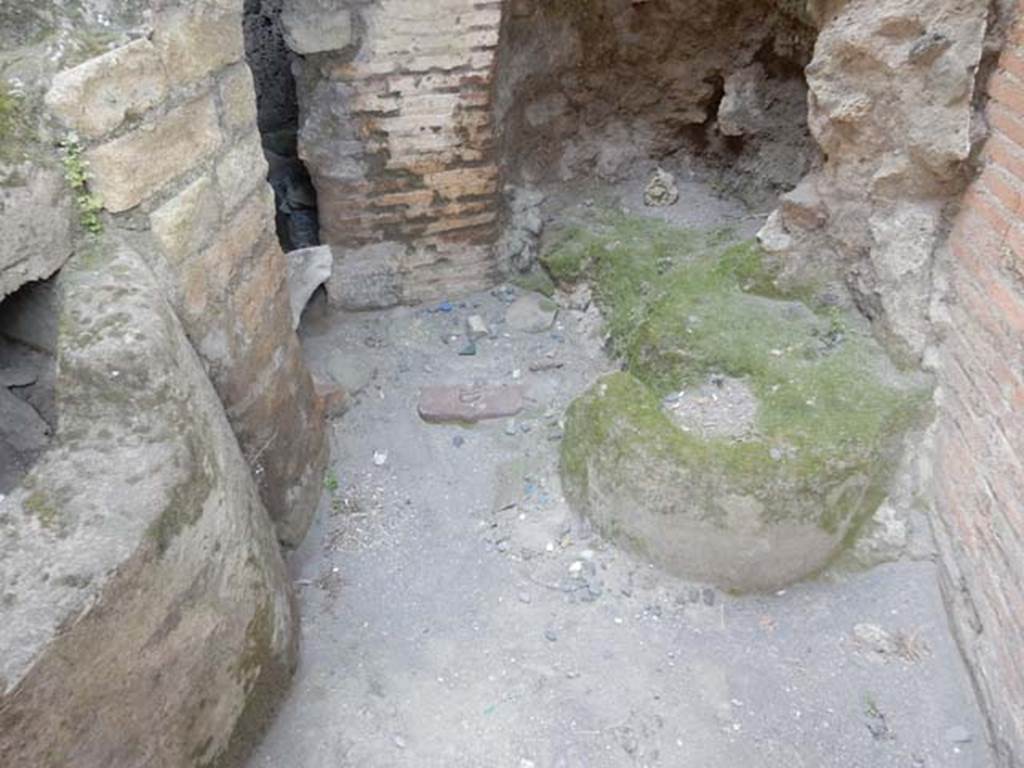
[
  {"x": 751, "y": 435},
  {"x": 147, "y": 618}
]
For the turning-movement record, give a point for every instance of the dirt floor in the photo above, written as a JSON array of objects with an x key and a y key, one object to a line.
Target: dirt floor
[{"x": 455, "y": 612}]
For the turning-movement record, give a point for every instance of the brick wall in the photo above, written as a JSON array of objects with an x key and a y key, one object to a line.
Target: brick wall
[
  {"x": 980, "y": 468},
  {"x": 398, "y": 136},
  {"x": 169, "y": 130}
]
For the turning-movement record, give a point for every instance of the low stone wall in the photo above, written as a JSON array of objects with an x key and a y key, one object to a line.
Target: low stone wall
[
  {"x": 168, "y": 128},
  {"x": 980, "y": 471},
  {"x": 397, "y": 134},
  {"x": 147, "y": 614}
]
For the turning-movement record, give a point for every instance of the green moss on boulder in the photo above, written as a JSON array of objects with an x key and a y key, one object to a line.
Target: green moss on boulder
[{"x": 750, "y": 512}]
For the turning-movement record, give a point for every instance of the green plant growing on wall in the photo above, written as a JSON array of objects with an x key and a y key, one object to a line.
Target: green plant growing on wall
[{"x": 76, "y": 173}]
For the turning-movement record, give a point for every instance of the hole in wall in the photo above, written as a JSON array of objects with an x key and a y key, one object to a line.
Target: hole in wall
[
  {"x": 608, "y": 89},
  {"x": 272, "y": 65},
  {"x": 28, "y": 335}
]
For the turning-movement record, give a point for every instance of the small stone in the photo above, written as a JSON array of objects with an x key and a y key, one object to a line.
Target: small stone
[
  {"x": 958, "y": 735},
  {"x": 469, "y": 350},
  {"x": 576, "y": 568},
  {"x": 399, "y": 742},
  {"x": 550, "y": 635},
  {"x": 539, "y": 366},
  {"x": 661, "y": 191},
  {"x": 510, "y": 428},
  {"x": 524, "y": 597},
  {"x": 476, "y": 328},
  {"x": 380, "y": 458},
  {"x": 458, "y": 441}
]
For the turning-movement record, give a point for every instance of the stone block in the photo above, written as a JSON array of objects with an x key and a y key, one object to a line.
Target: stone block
[
  {"x": 469, "y": 404},
  {"x": 96, "y": 97},
  {"x": 133, "y": 167},
  {"x": 143, "y": 582},
  {"x": 313, "y": 26},
  {"x": 238, "y": 99},
  {"x": 308, "y": 269},
  {"x": 198, "y": 39},
  {"x": 241, "y": 170},
  {"x": 205, "y": 276},
  {"x": 35, "y": 218},
  {"x": 367, "y": 277},
  {"x": 188, "y": 220}
]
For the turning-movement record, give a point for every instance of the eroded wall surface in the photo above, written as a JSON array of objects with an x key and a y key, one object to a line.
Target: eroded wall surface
[
  {"x": 598, "y": 88},
  {"x": 167, "y": 125},
  {"x": 979, "y": 475},
  {"x": 892, "y": 87}
]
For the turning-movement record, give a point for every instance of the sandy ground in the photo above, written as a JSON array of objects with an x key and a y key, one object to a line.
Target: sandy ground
[{"x": 456, "y": 613}]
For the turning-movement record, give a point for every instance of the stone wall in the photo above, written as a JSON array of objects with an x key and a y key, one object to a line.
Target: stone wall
[
  {"x": 892, "y": 86},
  {"x": 146, "y": 615},
  {"x": 167, "y": 122},
  {"x": 397, "y": 134},
  {"x": 980, "y": 469}
]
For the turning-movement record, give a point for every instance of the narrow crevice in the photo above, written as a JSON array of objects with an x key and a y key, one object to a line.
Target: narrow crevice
[
  {"x": 277, "y": 106},
  {"x": 28, "y": 319}
]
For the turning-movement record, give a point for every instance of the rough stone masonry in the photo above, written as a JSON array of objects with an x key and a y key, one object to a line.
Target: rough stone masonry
[{"x": 398, "y": 132}]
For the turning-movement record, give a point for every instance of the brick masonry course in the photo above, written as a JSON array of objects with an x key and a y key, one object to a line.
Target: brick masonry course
[{"x": 980, "y": 462}]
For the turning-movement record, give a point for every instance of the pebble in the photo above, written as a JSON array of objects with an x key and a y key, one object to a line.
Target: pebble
[
  {"x": 399, "y": 742},
  {"x": 524, "y": 597},
  {"x": 511, "y": 428},
  {"x": 476, "y": 328},
  {"x": 550, "y": 636},
  {"x": 458, "y": 441},
  {"x": 380, "y": 458}
]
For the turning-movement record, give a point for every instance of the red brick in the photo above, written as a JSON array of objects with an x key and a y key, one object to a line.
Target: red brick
[
  {"x": 1007, "y": 123},
  {"x": 1008, "y": 91}
]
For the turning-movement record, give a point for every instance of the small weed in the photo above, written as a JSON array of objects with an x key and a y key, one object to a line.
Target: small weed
[
  {"x": 76, "y": 173},
  {"x": 331, "y": 482}
]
